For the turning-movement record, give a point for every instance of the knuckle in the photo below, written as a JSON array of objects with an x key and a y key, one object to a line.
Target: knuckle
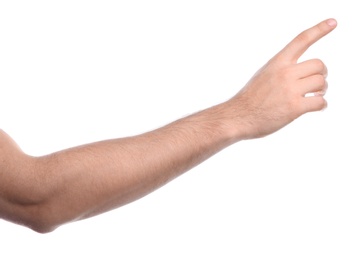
[
  {"x": 314, "y": 104},
  {"x": 320, "y": 81},
  {"x": 320, "y": 104},
  {"x": 286, "y": 73},
  {"x": 325, "y": 86},
  {"x": 319, "y": 64},
  {"x": 304, "y": 37}
]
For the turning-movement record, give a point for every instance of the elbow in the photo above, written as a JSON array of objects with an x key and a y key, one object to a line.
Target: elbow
[
  {"x": 27, "y": 188},
  {"x": 40, "y": 220},
  {"x": 42, "y": 230},
  {"x": 37, "y": 217},
  {"x": 28, "y": 201},
  {"x": 41, "y": 226}
]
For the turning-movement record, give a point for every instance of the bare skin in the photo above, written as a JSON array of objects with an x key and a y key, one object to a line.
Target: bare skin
[{"x": 45, "y": 192}]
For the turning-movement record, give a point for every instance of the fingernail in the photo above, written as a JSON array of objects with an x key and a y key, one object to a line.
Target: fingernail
[{"x": 331, "y": 22}]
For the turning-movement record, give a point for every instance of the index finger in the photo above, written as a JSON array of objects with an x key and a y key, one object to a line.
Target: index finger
[{"x": 293, "y": 51}]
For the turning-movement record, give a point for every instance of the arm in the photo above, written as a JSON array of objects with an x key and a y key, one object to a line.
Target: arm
[{"x": 46, "y": 192}]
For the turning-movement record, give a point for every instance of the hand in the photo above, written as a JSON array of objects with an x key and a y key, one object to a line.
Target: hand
[{"x": 278, "y": 93}]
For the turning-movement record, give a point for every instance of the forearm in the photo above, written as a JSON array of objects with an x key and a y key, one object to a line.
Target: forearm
[
  {"x": 108, "y": 174},
  {"x": 84, "y": 181}
]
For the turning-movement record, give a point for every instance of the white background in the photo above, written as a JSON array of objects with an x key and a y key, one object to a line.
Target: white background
[{"x": 74, "y": 72}]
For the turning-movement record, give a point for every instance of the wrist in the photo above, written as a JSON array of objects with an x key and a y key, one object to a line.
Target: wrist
[
  {"x": 223, "y": 124},
  {"x": 233, "y": 122}
]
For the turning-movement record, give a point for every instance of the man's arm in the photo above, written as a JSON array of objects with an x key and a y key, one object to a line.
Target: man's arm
[{"x": 45, "y": 192}]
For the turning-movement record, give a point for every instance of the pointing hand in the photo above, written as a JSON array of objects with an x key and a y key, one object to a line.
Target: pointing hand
[{"x": 279, "y": 92}]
